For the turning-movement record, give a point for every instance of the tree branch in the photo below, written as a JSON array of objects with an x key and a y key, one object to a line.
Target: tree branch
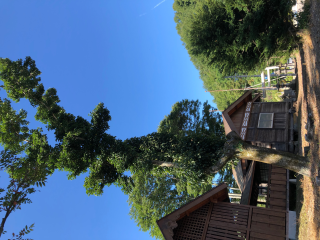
[
  {"x": 236, "y": 148},
  {"x": 165, "y": 164}
]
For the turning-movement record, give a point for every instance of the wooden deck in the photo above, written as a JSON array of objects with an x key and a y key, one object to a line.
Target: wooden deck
[
  {"x": 277, "y": 188},
  {"x": 232, "y": 221}
]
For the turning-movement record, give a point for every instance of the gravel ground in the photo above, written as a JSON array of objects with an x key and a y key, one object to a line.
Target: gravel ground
[{"x": 308, "y": 105}]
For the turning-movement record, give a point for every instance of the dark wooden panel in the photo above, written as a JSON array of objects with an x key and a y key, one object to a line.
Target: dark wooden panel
[
  {"x": 229, "y": 219},
  {"x": 276, "y": 207},
  {"x": 277, "y": 194},
  {"x": 268, "y": 212},
  {"x": 281, "y": 182},
  {"x": 280, "y": 188},
  {"x": 254, "y": 236},
  {"x": 234, "y": 214},
  {"x": 250, "y": 134},
  {"x": 231, "y": 210},
  {"x": 225, "y": 225},
  {"x": 279, "y": 120},
  {"x": 255, "y": 108},
  {"x": 279, "y": 107},
  {"x": 265, "y": 135},
  {"x": 278, "y": 202},
  {"x": 280, "y": 135},
  {"x": 268, "y": 228},
  {"x": 232, "y": 206},
  {"x": 214, "y": 230},
  {"x": 254, "y": 117},
  {"x": 267, "y": 107},
  {"x": 214, "y": 237},
  {"x": 269, "y": 219},
  {"x": 237, "y": 117},
  {"x": 278, "y": 176},
  {"x": 278, "y": 170}
]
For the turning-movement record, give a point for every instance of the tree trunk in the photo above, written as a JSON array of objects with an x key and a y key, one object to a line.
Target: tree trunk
[{"x": 236, "y": 148}]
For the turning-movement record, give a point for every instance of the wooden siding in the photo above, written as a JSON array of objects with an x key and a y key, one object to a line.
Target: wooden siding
[
  {"x": 277, "y": 182},
  {"x": 277, "y": 188},
  {"x": 227, "y": 122},
  {"x": 237, "y": 117},
  {"x": 278, "y": 136},
  {"x": 232, "y": 221}
]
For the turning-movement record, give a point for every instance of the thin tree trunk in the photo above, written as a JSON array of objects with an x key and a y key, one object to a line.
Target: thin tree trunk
[{"x": 4, "y": 221}]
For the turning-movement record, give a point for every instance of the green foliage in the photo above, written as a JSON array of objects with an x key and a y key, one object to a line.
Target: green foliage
[
  {"x": 190, "y": 138},
  {"x": 80, "y": 142},
  {"x": 234, "y": 37},
  {"x": 19, "y": 188},
  {"x": 153, "y": 197},
  {"x": 273, "y": 96},
  {"x": 13, "y": 128},
  {"x": 186, "y": 137},
  {"x": 186, "y": 117},
  {"x": 303, "y": 17}
]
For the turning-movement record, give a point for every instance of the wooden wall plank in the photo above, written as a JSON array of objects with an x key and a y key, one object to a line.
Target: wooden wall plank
[
  {"x": 269, "y": 219},
  {"x": 269, "y": 229},
  {"x": 213, "y": 230},
  {"x": 207, "y": 221},
  {"x": 270, "y": 213},
  {"x": 255, "y": 235},
  {"x": 278, "y": 176}
]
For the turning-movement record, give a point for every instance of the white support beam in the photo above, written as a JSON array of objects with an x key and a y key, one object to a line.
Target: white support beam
[{"x": 269, "y": 79}]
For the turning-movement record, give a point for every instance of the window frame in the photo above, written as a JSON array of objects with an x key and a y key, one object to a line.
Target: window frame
[{"x": 271, "y": 120}]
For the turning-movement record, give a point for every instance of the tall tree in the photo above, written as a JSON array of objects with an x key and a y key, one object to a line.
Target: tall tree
[
  {"x": 158, "y": 191},
  {"x": 234, "y": 37},
  {"x": 192, "y": 157}
]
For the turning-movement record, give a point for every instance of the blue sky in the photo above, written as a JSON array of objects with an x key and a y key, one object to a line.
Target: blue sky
[{"x": 125, "y": 54}]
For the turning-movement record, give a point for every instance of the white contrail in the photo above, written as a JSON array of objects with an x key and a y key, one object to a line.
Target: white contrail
[
  {"x": 159, "y": 4},
  {"x": 152, "y": 8}
]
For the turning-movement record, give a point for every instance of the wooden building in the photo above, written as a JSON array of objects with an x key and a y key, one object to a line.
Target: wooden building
[
  {"x": 211, "y": 215},
  {"x": 264, "y": 124}
]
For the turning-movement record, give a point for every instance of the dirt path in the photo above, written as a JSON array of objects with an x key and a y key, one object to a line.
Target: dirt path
[{"x": 308, "y": 104}]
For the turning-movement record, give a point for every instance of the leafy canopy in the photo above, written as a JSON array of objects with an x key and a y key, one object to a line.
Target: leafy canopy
[{"x": 168, "y": 167}]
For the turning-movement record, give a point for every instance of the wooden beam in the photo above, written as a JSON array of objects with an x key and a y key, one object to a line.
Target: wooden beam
[
  {"x": 204, "y": 233},
  {"x": 249, "y": 223}
]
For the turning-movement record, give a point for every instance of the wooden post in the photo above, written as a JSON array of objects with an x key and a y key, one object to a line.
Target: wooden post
[
  {"x": 262, "y": 84},
  {"x": 269, "y": 79}
]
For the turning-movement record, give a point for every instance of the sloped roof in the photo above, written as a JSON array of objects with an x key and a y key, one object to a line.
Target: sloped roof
[
  {"x": 168, "y": 222},
  {"x": 227, "y": 122}
]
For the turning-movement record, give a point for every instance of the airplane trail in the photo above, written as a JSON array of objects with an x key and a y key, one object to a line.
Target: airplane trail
[{"x": 159, "y": 4}]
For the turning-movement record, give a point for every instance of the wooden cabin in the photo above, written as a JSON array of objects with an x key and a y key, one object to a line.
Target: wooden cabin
[
  {"x": 265, "y": 124},
  {"x": 211, "y": 215}
]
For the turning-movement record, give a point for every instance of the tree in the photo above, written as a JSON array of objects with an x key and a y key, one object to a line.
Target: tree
[
  {"x": 236, "y": 36},
  {"x": 158, "y": 191},
  {"x": 189, "y": 153},
  {"x": 19, "y": 188},
  {"x": 186, "y": 117}
]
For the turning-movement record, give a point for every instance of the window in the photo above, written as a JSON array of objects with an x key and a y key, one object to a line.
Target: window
[{"x": 265, "y": 120}]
